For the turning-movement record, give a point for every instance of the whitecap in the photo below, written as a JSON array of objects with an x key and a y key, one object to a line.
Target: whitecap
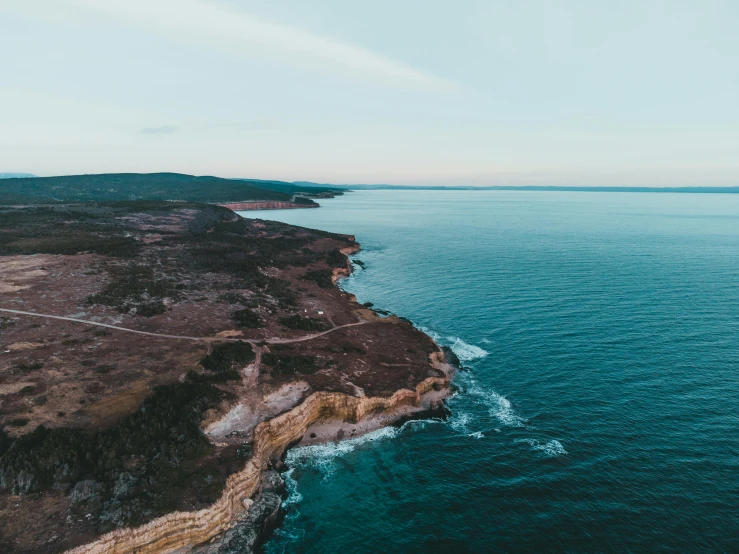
[
  {"x": 498, "y": 406},
  {"x": 293, "y": 496},
  {"x": 459, "y": 421},
  {"x": 551, "y": 448},
  {"x": 477, "y": 435},
  {"x": 322, "y": 456},
  {"x": 466, "y": 352},
  {"x": 502, "y": 410}
]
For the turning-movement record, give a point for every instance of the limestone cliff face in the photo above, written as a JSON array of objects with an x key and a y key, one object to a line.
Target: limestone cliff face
[
  {"x": 271, "y": 438},
  {"x": 341, "y": 272}
]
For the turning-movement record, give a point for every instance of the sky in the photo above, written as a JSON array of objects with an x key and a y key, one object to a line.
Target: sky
[{"x": 436, "y": 92}]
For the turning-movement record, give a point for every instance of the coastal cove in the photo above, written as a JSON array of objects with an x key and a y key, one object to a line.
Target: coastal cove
[{"x": 595, "y": 412}]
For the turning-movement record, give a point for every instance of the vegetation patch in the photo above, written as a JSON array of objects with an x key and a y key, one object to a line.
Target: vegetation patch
[
  {"x": 135, "y": 288},
  {"x": 304, "y": 323},
  {"x": 335, "y": 258},
  {"x": 30, "y": 366},
  {"x": 127, "y": 474},
  {"x": 345, "y": 349},
  {"x": 284, "y": 364},
  {"x": 247, "y": 319},
  {"x": 321, "y": 277},
  {"x": 237, "y": 298},
  {"x": 224, "y": 356}
]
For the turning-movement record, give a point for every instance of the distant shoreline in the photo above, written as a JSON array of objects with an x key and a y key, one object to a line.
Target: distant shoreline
[{"x": 537, "y": 188}]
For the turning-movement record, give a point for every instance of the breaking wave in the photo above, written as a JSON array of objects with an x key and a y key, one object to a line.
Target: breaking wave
[
  {"x": 465, "y": 351},
  {"x": 322, "y": 456},
  {"x": 551, "y": 448},
  {"x": 502, "y": 410},
  {"x": 293, "y": 496},
  {"x": 498, "y": 406}
]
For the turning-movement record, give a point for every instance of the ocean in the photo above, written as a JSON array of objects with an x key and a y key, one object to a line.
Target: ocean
[{"x": 597, "y": 407}]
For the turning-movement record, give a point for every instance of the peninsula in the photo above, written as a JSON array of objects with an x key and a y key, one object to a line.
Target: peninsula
[{"x": 157, "y": 358}]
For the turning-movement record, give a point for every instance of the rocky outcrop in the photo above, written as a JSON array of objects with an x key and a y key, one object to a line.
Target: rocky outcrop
[
  {"x": 271, "y": 438},
  {"x": 341, "y": 272}
]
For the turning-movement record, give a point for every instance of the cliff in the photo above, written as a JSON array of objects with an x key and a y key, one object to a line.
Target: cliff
[{"x": 271, "y": 438}]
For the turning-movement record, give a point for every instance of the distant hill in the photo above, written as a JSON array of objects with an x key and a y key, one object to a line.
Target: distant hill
[
  {"x": 150, "y": 186},
  {"x": 15, "y": 175}
]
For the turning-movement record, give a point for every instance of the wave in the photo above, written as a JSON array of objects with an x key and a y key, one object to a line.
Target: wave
[
  {"x": 459, "y": 421},
  {"x": 293, "y": 496},
  {"x": 322, "y": 456},
  {"x": 502, "y": 410},
  {"x": 498, "y": 406},
  {"x": 551, "y": 448},
  {"x": 465, "y": 351}
]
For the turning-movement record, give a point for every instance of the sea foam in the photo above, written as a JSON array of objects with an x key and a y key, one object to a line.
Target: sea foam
[
  {"x": 551, "y": 448},
  {"x": 322, "y": 456},
  {"x": 465, "y": 351},
  {"x": 293, "y": 496},
  {"x": 502, "y": 410},
  {"x": 498, "y": 406}
]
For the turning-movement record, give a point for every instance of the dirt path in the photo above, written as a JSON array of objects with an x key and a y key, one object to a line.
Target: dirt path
[{"x": 182, "y": 337}]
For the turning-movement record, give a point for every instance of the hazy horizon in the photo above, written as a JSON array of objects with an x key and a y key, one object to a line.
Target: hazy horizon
[{"x": 486, "y": 93}]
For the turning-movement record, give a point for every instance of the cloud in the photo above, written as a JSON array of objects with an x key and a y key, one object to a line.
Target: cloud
[
  {"x": 163, "y": 130},
  {"x": 237, "y": 32}
]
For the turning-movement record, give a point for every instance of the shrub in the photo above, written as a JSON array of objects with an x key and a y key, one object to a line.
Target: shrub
[
  {"x": 336, "y": 259},
  {"x": 31, "y": 366},
  {"x": 304, "y": 323},
  {"x": 283, "y": 364},
  {"x": 236, "y": 298},
  {"x": 322, "y": 277},
  {"x": 149, "y": 309},
  {"x": 224, "y": 356},
  {"x": 247, "y": 319}
]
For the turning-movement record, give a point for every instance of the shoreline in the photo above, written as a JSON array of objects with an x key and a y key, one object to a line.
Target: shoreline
[
  {"x": 273, "y": 438},
  {"x": 250, "y": 506}
]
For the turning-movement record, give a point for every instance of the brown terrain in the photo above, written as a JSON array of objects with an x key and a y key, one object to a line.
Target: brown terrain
[{"x": 158, "y": 358}]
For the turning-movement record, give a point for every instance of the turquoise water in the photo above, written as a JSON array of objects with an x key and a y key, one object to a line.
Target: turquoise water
[{"x": 598, "y": 411}]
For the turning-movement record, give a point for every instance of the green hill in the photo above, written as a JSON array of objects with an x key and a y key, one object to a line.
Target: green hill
[{"x": 150, "y": 186}]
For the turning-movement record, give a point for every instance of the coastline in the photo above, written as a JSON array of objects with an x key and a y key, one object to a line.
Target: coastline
[
  {"x": 249, "y": 508},
  {"x": 266, "y": 205},
  {"x": 272, "y": 439}
]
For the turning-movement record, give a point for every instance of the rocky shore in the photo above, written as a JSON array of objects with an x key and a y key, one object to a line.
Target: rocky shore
[{"x": 182, "y": 529}]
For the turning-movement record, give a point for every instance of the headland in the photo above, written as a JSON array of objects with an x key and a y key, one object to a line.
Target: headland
[{"x": 157, "y": 360}]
